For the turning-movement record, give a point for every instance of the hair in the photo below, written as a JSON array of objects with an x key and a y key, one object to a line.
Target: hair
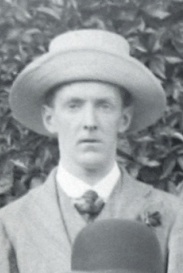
[
  {"x": 48, "y": 99},
  {"x": 126, "y": 97}
]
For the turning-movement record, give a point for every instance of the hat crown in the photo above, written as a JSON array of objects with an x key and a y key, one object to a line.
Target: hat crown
[
  {"x": 116, "y": 245},
  {"x": 92, "y": 39}
]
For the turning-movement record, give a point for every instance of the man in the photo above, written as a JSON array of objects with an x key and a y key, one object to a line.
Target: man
[{"x": 85, "y": 91}]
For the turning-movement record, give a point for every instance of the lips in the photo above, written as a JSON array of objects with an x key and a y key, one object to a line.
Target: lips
[{"x": 89, "y": 140}]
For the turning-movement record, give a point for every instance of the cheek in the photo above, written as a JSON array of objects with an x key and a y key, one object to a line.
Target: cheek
[
  {"x": 66, "y": 129},
  {"x": 112, "y": 123},
  {"x": 112, "y": 129}
]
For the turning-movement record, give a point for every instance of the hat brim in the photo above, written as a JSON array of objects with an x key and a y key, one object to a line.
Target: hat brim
[
  {"x": 30, "y": 87},
  {"x": 112, "y": 271}
]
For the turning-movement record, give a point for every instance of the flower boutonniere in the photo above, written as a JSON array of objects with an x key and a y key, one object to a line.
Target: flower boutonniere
[{"x": 151, "y": 219}]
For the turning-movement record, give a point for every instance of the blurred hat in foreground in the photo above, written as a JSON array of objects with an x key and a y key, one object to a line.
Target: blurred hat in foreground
[
  {"x": 117, "y": 246},
  {"x": 82, "y": 55}
]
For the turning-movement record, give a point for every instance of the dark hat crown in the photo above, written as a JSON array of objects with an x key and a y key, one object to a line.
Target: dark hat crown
[{"x": 117, "y": 245}]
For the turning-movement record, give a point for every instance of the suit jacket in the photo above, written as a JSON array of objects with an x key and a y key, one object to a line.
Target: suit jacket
[{"x": 37, "y": 231}]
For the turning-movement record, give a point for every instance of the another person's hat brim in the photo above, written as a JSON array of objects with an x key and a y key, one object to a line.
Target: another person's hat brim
[{"x": 53, "y": 69}]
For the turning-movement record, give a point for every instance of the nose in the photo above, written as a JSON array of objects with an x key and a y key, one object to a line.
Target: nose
[{"x": 89, "y": 119}]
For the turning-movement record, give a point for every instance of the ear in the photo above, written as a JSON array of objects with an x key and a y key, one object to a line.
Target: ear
[
  {"x": 126, "y": 117},
  {"x": 48, "y": 118}
]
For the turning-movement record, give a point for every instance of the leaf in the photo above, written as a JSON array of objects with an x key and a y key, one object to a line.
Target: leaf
[
  {"x": 58, "y": 2},
  {"x": 180, "y": 161},
  {"x": 172, "y": 188},
  {"x": 180, "y": 151},
  {"x": 177, "y": 135},
  {"x": 140, "y": 48},
  {"x": 177, "y": 37},
  {"x": 158, "y": 67},
  {"x": 95, "y": 22},
  {"x": 136, "y": 44},
  {"x": 35, "y": 182},
  {"x": 6, "y": 179},
  {"x": 18, "y": 163},
  {"x": 145, "y": 139},
  {"x": 150, "y": 30},
  {"x": 173, "y": 59},
  {"x": 155, "y": 10},
  {"x": 50, "y": 12},
  {"x": 180, "y": 190},
  {"x": 168, "y": 167},
  {"x": 145, "y": 161},
  {"x": 14, "y": 34},
  {"x": 26, "y": 38},
  {"x": 32, "y": 31},
  {"x": 134, "y": 169},
  {"x": 127, "y": 14},
  {"x": 154, "y": 44},
  {"x": 153, "y": 163},
  {"x": 21, "y": 14},
  {"x": 160, "y": 14}
]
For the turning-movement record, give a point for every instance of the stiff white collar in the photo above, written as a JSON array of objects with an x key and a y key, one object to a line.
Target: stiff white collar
[{"x": 75, "y": 188}]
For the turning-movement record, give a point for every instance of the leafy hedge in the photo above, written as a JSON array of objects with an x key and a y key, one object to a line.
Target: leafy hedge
[{"x": 154, "y": 30}]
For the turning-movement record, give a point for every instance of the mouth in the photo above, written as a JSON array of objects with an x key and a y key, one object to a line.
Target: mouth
[{"x": 89, "y": 141}]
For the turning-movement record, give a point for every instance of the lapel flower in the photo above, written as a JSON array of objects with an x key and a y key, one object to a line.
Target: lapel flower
[{"x": 151, "y": 219}]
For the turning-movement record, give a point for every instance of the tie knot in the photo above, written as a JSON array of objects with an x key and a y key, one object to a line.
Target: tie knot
[
  {"x": 90, "y": 196},
  {"x": 90, "y": 204}
]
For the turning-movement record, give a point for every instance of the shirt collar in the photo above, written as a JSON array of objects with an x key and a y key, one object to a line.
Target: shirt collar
[{"x": 75, "y": 187}]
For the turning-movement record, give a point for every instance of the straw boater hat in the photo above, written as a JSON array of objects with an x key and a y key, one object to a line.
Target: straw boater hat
[
  {"x": 94, "y": 55},
  {"x": 116, "y": 246}
]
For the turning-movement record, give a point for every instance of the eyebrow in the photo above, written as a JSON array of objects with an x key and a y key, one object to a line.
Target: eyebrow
[
  {"x": 74, "y": 99},
  {"x": 102, "y": 99}
]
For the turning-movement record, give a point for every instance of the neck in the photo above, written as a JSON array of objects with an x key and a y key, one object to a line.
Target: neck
[{"x": 90, "y": 175}]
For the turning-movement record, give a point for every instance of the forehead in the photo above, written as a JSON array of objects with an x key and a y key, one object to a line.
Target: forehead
[{"x": 88, "y": 90}]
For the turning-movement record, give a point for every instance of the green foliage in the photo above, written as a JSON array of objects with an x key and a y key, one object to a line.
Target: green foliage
[{"x": 154, "y": 30}]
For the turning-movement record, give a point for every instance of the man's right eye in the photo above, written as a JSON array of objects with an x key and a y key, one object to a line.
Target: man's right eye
[{"x": 74, "y": 106}]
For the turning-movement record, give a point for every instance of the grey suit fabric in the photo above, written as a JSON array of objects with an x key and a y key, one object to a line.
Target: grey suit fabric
[{"x": 37, "y": 231}]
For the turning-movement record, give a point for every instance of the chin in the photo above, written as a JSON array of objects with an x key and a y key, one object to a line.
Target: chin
[{"x": 92, "y": 161}]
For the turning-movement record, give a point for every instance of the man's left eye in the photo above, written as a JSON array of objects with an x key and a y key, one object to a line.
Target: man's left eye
[
  {"x": 105, "y": 106},
  {"x": 72, "y": 106}
]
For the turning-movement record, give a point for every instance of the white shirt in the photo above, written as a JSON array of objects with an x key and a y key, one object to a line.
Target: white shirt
[{"x": 75, "y": 187}]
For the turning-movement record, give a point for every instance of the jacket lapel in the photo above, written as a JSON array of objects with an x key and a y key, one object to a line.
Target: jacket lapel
[
  {"x": 73, "y": 221},
  {"x": 127, "y": 198},
  {"x": 50, "y": 228}
]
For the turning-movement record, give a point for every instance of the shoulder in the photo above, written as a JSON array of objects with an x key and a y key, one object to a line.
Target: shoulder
[
  {"x": 150, "y": 197},
  {"x": 156, "y": 208},
  {"x": 160, "y": 208},
  {"x": 141, "y": 188},
  {"x": 16, "y": 208},
  {"x": 15, "y": 212},
  {"x": 152, "y": 193},
  {"x": 172, "y": 202}
]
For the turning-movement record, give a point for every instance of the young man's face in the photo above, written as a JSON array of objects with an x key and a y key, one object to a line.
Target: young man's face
[{"x": 87, "y": 116}]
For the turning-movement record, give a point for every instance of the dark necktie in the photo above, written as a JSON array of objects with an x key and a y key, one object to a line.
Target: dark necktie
[{"x": 89, "y": 205}]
